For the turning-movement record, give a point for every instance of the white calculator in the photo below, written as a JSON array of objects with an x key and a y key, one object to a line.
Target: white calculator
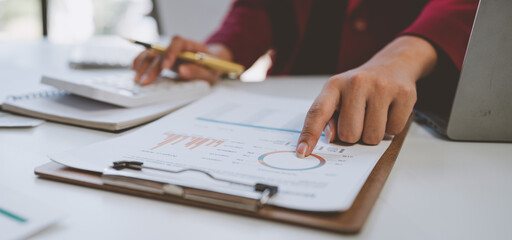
[{"x": 120, "y": 89}]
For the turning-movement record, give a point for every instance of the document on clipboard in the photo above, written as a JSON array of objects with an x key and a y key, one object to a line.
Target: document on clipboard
[{"x": 233, "y": 143}]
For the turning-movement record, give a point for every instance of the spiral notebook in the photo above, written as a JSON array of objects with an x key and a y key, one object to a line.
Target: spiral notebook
[{"x": 60, "y": 106}]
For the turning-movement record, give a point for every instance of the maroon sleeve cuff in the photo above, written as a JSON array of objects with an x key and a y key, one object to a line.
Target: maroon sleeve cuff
[
  {"x": 447, "y": 24},
  {"x": 245, "y": 31}
]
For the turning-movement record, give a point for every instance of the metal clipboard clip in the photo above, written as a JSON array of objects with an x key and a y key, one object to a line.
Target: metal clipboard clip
[{"x": 242, "y": 196}]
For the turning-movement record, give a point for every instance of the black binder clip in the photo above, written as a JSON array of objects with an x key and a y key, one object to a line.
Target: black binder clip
[{"x": 135, "y": 180}]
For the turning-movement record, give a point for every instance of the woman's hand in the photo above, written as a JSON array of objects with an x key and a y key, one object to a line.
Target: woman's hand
[
  {"x": 150, "y": 63},
  {"x": 371, "y": 100}
]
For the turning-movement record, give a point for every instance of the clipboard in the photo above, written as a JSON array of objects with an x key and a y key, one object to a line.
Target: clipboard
[{"x": 349, "y": 222}]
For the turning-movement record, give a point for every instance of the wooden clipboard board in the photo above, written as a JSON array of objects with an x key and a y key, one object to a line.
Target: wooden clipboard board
[{"x": 350, "y": 221}]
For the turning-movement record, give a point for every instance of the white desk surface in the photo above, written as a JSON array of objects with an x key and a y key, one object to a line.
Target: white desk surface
[{"x": 438, "y": 189}]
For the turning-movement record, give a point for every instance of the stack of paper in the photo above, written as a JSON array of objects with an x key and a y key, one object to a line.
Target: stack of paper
[{"x": 245, "y": 138}]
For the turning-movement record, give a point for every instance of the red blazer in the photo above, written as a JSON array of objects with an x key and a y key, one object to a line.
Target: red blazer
[{"x": 367, "y": 27}]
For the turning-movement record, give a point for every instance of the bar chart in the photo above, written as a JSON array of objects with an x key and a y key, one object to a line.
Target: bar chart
[{"x": 187, "y": 141}]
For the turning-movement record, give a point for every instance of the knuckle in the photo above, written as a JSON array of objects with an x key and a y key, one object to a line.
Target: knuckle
[
  {"x": 316, "y": 109},
  {"x": 307, "y": 134},
  {"x": 176, "y": 38},
  {"x": 359, "y": 80},
  {"x": 332, "y": 81},
  {"x": 151, "y": 55},
  {"x": 380, "y": 83},
  {"x": 408, "y": 92}
]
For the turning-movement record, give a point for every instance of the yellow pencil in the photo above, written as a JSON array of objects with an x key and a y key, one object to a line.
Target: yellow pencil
[{"x": 233, "y": 70}]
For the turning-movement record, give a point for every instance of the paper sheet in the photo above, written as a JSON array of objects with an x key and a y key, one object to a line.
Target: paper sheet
[
  {"x": 10, "y": 120},
  {"x": 243, "y": 137},
  {"x": 21, "y": 217}
]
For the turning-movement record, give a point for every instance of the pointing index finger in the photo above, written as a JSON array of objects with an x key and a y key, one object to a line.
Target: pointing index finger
[{"x": 317, "y": 117}]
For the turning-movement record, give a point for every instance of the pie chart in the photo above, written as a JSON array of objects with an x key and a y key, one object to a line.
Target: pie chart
[{"x": 287, "y": 160}]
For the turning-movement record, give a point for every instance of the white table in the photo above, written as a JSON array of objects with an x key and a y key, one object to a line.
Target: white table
[{"x": 438, "y": 189}]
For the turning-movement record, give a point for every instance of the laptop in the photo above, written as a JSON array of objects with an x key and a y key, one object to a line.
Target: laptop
[{"x": 482, "y": 101}]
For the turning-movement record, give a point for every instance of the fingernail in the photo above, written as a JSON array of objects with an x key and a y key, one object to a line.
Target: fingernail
[
  {"x": 142, "y": 79},
  {"x": 301, "y": 150},
  {"x": 327, "y": 132}
]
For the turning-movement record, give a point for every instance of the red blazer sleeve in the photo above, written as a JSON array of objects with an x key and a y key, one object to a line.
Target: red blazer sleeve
[
  {"x": 246, "y": 31},
  {"x": 447, "y": 24}
]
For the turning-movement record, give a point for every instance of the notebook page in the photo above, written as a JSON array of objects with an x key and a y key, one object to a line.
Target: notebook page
[
  {"x": 62, "y": 107},
  {"x": 247, "y": 138},
  {"x": 10, "y": 120}
]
